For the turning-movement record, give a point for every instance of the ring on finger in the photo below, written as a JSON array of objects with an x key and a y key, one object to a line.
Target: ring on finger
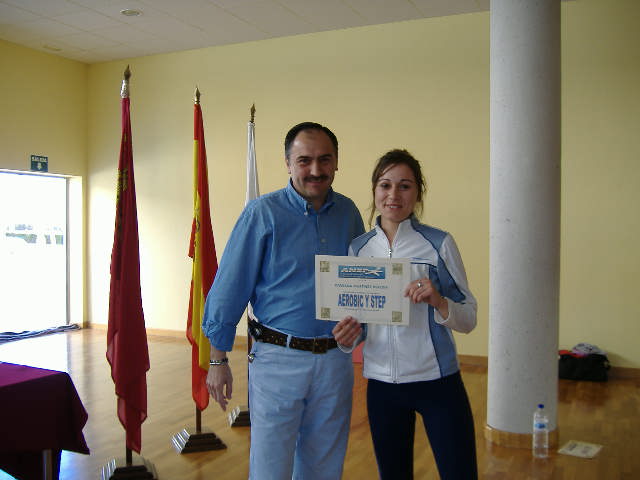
[{"x": 419, "y": 284}]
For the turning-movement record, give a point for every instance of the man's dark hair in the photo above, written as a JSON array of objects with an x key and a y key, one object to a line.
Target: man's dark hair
[{"x": 293, "y": 133}]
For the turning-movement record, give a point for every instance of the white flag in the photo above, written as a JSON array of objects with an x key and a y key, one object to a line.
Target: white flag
[{"x": 253, "y": 191}]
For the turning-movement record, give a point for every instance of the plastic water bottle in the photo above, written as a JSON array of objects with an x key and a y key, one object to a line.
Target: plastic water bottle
[{"x": 540, "y": 440}]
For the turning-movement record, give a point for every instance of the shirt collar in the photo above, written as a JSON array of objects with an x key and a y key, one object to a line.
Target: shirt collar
[
  {"x": 299, "y": 202},
  {"x": 410, "y": 220}
]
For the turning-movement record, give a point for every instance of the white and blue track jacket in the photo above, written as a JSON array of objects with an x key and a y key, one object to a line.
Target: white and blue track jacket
[{"x": 425, "y": 349}]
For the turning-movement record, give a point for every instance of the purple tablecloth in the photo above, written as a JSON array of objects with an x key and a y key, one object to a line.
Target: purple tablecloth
[{"x": 39, "y": 410}]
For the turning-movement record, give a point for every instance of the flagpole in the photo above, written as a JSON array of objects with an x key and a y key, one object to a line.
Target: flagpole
[
  {"x": 240, "y": 416},
  {"x": 124, "y": 93},
  {"x": 204, "y": 267},
  {"x": 127, "y": 322},
  {"x": 198, "y": 411}
]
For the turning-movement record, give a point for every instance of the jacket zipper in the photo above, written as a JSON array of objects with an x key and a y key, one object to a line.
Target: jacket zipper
[{"x": 392, "y": 336}]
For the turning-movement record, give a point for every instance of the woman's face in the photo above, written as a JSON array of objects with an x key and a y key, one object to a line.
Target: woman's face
[{"x": 396, "y": 193}]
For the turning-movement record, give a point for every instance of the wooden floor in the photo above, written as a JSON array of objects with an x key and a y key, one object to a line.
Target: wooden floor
[{"x": 603, "y": 413}]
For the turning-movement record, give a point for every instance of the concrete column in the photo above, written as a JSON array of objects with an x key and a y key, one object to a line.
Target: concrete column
[{"x": 524, "y": 217}]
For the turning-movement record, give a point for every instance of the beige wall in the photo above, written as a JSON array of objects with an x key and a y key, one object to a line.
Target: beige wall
[
  {"x": 43, "y": 110},
  {"x": 600, "y": 262},
  {"x": 422, "y": 85},
  {"x": 404, "y": 85}
]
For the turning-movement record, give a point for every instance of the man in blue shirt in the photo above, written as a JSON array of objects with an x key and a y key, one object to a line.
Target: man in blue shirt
[{"x": 299, "y": 384}]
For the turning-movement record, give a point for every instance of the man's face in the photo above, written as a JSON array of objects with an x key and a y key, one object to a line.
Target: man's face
[{"x": 312, "y": 164}]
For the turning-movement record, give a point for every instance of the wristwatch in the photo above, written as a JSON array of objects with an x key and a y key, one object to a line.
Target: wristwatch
[{"x": 222, "y": 361}]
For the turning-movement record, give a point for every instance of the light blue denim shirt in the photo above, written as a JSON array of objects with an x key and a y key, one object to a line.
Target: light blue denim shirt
[{"x": 269, "y": 260}]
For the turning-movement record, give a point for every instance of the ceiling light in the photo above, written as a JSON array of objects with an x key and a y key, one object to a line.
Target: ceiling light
[{"x": 131, "y": 12}]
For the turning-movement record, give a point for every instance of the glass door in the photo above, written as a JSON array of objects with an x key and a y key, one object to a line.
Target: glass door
[{"x": 33, "y": 252}]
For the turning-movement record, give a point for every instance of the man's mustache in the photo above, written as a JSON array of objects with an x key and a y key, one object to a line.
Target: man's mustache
[{"x": 313, "y": 178}]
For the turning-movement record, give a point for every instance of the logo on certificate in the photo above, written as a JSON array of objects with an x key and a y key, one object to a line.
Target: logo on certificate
[{"x": 361, "y": 271}]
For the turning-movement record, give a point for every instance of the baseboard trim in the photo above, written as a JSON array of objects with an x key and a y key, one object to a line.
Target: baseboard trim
[
  {"x": 241, "y": 340},
  {"x": 473, "y": 361},
  {"x": 624, "y": 373},
  {"x": 467, "y": 362},
  {"x": 481, "y": 362}
]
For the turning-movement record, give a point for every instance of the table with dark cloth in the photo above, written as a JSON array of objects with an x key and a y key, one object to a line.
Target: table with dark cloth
[{"x": 39, "y": 410}]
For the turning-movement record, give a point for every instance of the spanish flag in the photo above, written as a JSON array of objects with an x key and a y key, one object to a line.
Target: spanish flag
[
  {"x": 202, "y": 250},
  {"x": 127, "y": 350}
]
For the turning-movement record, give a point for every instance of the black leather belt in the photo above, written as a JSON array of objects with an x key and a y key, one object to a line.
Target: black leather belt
[{"x": 267, "y": 335}]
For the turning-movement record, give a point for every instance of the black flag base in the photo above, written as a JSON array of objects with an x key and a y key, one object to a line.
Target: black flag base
[
  {"x": 138, "y": 468},
  {"x": 239, "y": 417},
  {"x": 189, "y": 440}
]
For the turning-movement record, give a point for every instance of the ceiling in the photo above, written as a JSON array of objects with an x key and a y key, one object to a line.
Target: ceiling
[{"x": 94, "y": 31}]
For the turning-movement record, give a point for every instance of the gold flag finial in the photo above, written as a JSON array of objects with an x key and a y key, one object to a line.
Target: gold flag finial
[
  {"x": 197, "y": 96},
  {"x": 253, "y": 112},
  {"x": 124, "y": 91}
]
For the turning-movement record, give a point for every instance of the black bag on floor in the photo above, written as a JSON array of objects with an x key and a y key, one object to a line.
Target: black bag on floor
[{"x": 592, "y": 367}]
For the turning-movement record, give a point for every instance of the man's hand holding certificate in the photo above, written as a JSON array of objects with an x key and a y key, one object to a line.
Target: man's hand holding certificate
[{"x": 368, "y": 289}]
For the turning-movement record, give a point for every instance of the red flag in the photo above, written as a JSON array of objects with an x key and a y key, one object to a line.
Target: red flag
[
  {"x": 127, "y": 350},
  {"x": 202, "y": 250}
]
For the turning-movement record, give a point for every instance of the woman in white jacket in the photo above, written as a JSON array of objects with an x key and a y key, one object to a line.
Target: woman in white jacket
[{"x": 414, "y": 368}]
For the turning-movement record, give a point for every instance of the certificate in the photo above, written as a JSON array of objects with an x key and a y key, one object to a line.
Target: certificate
[{"x": 369, "y": 289}]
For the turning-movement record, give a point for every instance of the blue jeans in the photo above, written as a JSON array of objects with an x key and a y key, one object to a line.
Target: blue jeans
[
  {"x": 446, "y": 414},
  {"x": 300, "y": 406}
]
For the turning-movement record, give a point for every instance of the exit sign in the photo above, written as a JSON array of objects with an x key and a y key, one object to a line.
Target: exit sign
[{"x": 39, "y": 163}]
